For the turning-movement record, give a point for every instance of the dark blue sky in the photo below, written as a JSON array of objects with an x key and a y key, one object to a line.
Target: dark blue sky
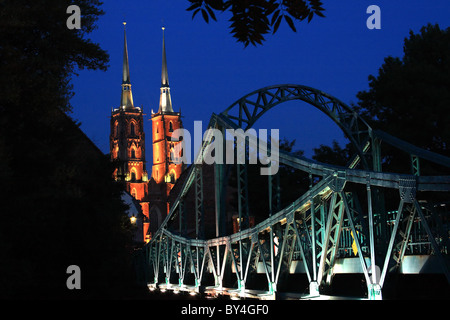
[{"x": 209, "y": 70}]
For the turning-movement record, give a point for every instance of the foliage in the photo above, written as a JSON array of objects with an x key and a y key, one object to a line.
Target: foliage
[
  {"x": 410, "y": 96},
  {"x": 335, "y": 155},
  {"x": 252, "y": 19},
  {"x": 59, "y": 206},
  {"x": 408, "y": 99}
]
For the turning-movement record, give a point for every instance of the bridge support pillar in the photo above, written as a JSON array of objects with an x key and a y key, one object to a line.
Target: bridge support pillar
[
  {"x": 272, "y": 289},
  {"x": 314, "y": 289},
  {"x": 241, "y": 286},
  {"x": 374, "y": 291}
]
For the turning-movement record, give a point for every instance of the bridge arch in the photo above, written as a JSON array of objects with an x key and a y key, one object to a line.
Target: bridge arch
[
  {"x": 245, "y": 111},
  {"x": 313, "y": 224}
]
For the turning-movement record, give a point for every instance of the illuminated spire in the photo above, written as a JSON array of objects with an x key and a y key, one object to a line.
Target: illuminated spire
[
  {"x": 165, "y": 101},
  {"x": 164, "y": 74},
  {"x": 127, "y": 96}
]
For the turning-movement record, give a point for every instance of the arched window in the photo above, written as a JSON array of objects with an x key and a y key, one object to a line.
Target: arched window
[
  {"x": 155, "y": 219},
  {"x": 170, "y": 126},
  {"x": 116, "y": 129},
  {"x": 133, "y": 153},
  {"x": 132, "y": 130},
  {"x": 133, "y": 174},
  {"x": 133, "y": 193}
]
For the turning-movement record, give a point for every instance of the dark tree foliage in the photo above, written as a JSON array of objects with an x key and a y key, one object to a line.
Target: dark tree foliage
[
  {"x": 252, "y": 19},
  {"x": 408, "y": 99},
  {"x": 410, "y": 96},
  {"x": 335, "y": 155},
  {"x": 58, "y": 204}
]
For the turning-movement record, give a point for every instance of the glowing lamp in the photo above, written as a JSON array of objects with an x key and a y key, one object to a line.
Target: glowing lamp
[{"x": 133, "y": 219}]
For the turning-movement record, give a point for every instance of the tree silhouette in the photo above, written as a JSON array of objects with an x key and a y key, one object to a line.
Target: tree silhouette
[
  {"x": 409, "y": 97},
  {"x": 252, "y": 19},
  {"x": 59, "y": 205}
]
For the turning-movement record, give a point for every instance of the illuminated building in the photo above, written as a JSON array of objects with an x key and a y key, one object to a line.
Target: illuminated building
[
  {"x": 164, "y": 170},
  {"x": 127, "y": 148}
]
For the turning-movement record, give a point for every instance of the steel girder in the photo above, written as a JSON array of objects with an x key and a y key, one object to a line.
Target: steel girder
[
  {"x": 313, "y": 224},
  {"x": 248, "y": 109}
]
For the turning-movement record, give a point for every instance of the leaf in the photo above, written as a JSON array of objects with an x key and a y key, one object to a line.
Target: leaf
[
  {"x": 310, "y": 16},
  {"x": 216, "y": 4},
  {"x": 274, "y": 17},
  {"x": 226, "y": 5},
  {"x": 194, "y": 6},
  {"x": 211, "y": 13},
  {"x": 195, "y": 12},
  {"x": 205, "y": 15},
  {"x": 290, "y": 23},
  {"x": 277, "y": 24},
  {"x": 271, "y": 8},
  {"x": 320, "y": 14}
]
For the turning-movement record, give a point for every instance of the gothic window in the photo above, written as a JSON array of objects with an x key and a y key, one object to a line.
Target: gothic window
[
  {"x": 116, "y": 129},
  {"x": 133, "y": 176},
  {"x": 133, "y": 153},
  {"x": 170, "y": 126},
  {"x": 132, "y": 130}
]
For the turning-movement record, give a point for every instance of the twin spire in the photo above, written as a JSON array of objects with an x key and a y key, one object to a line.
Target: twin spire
[
  {"x": 127, "y": 96},
  {"x": 165, "y": 101}
]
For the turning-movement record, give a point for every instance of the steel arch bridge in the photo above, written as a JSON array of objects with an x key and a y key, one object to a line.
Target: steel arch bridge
[{"x": 343, "y": 208}]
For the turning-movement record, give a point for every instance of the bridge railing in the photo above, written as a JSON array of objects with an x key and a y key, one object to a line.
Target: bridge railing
[{"x": 330, "y": 221}]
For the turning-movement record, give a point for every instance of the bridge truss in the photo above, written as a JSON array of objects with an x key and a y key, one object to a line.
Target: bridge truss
[{"x": 342, "y": 215}]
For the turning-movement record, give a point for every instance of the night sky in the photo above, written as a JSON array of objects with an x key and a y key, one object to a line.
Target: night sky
[{"x": 209, "y": 70}]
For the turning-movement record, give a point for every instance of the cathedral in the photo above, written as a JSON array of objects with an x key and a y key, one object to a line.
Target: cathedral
[{"x": 127, "y": 149}]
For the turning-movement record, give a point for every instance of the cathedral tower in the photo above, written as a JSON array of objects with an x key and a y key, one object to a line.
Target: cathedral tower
[
  {"x": 127, "y": 140},
  {"x": 165, "y": 170},
  {"x": 127, "y": 147},
  {"x": 164, "y": 122}
]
